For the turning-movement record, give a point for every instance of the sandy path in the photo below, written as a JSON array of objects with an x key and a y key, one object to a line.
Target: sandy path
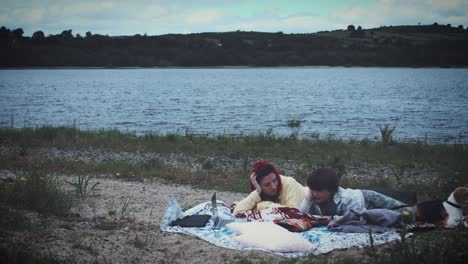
[{"x": 96, "y": 233}]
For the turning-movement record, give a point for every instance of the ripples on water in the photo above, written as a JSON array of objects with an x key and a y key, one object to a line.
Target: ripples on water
[{"x": 340, "y": 102}]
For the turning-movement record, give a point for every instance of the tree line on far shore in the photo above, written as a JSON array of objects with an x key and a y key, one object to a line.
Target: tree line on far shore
[{"x": 390, "y": 46}]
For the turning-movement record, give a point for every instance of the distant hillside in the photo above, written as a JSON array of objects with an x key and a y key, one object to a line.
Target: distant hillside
[{"x": 414, "y": 46}]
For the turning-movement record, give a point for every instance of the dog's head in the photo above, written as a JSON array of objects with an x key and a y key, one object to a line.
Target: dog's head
[
  {"x": 460, "y": 195},
  {"x": 453, "y": 206}
]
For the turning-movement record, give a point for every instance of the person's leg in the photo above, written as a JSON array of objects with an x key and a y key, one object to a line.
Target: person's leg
[
  {"x": 430, "y": 211},
  {"x": 376, "y": 200}
]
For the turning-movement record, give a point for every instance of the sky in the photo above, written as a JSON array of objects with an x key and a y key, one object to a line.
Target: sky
[{"x": 157, "y": 17}]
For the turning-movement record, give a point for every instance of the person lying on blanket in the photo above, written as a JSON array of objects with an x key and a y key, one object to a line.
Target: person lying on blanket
[
  {"x": 270, "y": 189},
  {"x": 326, "y": 198}
]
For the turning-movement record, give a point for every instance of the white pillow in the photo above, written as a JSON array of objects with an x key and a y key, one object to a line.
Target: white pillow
[
  {"x": 247, "y": 227},
  {"x": 269, "y": 236}
]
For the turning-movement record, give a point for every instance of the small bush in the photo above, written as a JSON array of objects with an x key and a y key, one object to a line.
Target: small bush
[
  {"x": 387, "y": 134},
  {"x": 11, "y": 219},
  {"x": 295, "y": 125},
  {"x": 21, "y": 254},
  {"x": 82, "y": 187},
  {"x": 208, "y": 164},
  {"x": 172, "y": 137},
  {"x": 436, "y": 248},
  {"x": 38, "y": 191}
]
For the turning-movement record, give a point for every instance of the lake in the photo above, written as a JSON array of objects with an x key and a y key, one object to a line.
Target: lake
[{"x": 348, "y": 103}]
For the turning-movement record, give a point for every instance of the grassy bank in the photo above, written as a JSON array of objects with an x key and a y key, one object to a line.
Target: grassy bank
[
  {"x": 315, "y": 150},
  {"x": 448, "y": 161}
]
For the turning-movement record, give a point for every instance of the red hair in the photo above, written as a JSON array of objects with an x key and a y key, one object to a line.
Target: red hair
[{"x": 262, "y": 168}]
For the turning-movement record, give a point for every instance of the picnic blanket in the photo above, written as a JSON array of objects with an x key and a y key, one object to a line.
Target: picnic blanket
[{"x": 323, "y": 240}]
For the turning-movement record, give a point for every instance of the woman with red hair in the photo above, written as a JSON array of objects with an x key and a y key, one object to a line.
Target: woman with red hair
[{"x": 270, "y": 189}]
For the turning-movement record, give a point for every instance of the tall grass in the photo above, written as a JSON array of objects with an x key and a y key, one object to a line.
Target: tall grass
[
  {"x": 238, "y": 146},
  {"x": 14, "y": 220},
  {"x": 21, "y": 254},
  {"x": 295, "y": 124},
  {"x": 37, "y": 190},
  {"x": 448, "y": 160},
  {"x": 387, "y": 134},
  {"x": 82, "y": 187},
  {"x": 437, "y": 247}
]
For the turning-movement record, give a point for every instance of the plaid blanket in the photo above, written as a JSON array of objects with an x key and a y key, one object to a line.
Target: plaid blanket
[{"x": 290, "y": 218}]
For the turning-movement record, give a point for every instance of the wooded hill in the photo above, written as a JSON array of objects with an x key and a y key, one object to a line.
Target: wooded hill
[{"x": 415, "y": 46}]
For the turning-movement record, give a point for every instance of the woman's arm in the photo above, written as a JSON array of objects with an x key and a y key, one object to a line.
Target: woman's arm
[
  {"x": 248, "y": 203},
  {"x": 267, "y": 204},
  {"x": 293, "y": 192}
]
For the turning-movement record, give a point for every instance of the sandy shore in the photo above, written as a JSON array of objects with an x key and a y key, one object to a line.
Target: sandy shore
[{"x": 97, "y": 231}]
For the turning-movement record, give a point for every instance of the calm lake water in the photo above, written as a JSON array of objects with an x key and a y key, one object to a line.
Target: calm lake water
[{"x": 348, "y": 103}]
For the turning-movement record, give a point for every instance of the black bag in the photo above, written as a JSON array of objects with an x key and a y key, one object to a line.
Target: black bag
[{"x": 191, "y": 221}]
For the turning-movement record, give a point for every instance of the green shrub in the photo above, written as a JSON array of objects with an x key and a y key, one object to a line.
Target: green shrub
[
  {"x": 82, "y": 186},
  {"x": 387, "y": 134},
  {"x": 438, "y": 247},
  {"x": 20, "y": 254},
  {"x": 36, "y": 190},
  {"x": 11, "y": 219}
]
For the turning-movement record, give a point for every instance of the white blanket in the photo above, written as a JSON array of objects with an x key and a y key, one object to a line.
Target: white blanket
[{"x": 323, "y": 240}]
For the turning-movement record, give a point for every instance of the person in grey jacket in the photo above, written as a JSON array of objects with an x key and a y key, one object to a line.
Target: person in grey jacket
[{"x": 326, "y": 198}]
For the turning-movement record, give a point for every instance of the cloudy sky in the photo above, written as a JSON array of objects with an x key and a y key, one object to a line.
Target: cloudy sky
[{"x": 156, "y": 17}]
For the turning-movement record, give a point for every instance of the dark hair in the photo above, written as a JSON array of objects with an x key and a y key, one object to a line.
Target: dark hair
[
  {"x": 262, "y": 168},
  {"x": 431, "y": 211},
  {"x": 323, "y": 179}
]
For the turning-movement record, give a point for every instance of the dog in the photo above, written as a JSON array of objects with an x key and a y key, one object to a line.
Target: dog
[{"x": 457, "y": 200}]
